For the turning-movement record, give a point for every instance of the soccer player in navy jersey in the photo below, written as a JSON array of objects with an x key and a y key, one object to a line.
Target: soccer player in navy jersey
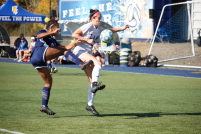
[{"x": 47, "y": 48}]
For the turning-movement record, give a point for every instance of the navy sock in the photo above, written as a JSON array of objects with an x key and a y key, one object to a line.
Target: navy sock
[
  {"x": 71, "y": 57},
  {"x": 45, "y": 96}
]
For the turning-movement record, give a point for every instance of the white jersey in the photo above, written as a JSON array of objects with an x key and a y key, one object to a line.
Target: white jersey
[
  {"x": 90, "y": 32},
  {"x": 32, "y": 44}
]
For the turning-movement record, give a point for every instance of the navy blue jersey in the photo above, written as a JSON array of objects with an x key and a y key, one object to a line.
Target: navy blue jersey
[{"x": 48, "y": 41}]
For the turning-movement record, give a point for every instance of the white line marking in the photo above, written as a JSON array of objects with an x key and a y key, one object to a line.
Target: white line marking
[{"x": 12, "y": 132}]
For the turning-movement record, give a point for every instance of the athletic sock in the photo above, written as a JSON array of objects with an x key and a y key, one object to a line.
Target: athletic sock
[
  {"x": 91, "y": 96},
  {"x": 96, "y": 73},
  {"x": 71, "y": 57},
  {"x": 49, "y": 66},
  {"x": 45, "y": 96}
]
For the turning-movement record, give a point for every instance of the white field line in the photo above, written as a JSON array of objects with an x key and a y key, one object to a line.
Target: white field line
[{"x": 12, "y": 132}]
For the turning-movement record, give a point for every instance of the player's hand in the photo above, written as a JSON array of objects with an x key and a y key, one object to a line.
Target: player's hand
[
  {"x": 56, "y": 31},
  {"x": 125, "y": 26},
  {"x": 96, "y": 46},
  {"x": 78, "y": 41},
  {"x": 90, "y": 41}
]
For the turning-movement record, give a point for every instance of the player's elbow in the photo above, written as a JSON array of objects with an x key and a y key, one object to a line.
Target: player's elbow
[
  {"x": 38, "y": 36},
  {"x": 74, "y": 35}
]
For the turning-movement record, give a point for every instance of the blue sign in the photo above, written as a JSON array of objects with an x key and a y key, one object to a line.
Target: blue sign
[{"x": 116, "y": 13}]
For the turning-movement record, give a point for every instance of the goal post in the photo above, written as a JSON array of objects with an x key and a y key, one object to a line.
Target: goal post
[{"x": 173, "y": 40}]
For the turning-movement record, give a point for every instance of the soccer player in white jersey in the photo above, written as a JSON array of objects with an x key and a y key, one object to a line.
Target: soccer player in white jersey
[{"x": 89, "y": 33}]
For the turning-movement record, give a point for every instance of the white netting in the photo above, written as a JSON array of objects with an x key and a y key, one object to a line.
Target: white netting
[{"x": 173, "y": 43}]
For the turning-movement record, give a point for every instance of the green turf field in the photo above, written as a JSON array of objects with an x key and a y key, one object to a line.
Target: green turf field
[{"x": 130, "y": 104}]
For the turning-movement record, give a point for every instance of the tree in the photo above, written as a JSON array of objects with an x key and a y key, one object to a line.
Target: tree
[
  {"x": 45, "y": 9},
  {"x": 19, "y": 2}
]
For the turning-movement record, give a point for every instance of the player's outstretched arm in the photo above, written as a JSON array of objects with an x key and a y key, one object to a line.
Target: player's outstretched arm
[
  {"x": 42, "y": 35},
  {"x": 78, "y": 35},
  {"x": 71, "y": 45},
  {"x": 119, "y": 29}
]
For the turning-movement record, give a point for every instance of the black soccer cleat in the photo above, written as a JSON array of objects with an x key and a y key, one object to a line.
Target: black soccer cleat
[
  {"x": 92, "y": 109},
  {"x": 96, "y": 87},
  {"x": 47, "y": 110},
  {"x": 83, "y": 66}
]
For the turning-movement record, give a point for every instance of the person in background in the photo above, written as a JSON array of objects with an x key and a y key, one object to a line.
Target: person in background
[
  {"x": 33, "y": 42},
  {"x": 61, "y": 58},
  {"x": 20, "y": 51},
  {"x": 17, "y": 44},
  {"x": 27, "y": 53}
]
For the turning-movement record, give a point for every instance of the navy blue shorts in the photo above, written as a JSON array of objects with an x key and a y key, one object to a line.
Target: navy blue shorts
[{"x": 38, "y": 57}]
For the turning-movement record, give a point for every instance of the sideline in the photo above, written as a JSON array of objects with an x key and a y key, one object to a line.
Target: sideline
[
  {"x": 187, "y": 73},
  {"x": 12, "y": 132}
]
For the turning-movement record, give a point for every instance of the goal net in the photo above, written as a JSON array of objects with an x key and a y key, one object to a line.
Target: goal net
[{"x": 173, "y": 40}]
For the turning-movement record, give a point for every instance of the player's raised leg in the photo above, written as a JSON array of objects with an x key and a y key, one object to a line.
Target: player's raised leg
[
  {"x": 60, "y": 50},
  {"x": 93, "y": 73}
]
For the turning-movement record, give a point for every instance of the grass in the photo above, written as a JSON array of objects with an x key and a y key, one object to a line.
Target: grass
[{"x": 131, "y": 103}]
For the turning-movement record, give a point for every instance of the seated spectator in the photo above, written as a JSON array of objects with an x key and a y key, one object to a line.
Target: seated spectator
[
  {"x": 16, "y": 45},
  {"x": 26, "y": 57},
  {"x": 23, "y": 46},
  {"x": 61, "y": 58},
  {"x": 27, "y": 53},
  {"x": 33, "y": 42}
]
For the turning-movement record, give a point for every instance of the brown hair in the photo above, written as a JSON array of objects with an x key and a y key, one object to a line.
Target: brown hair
[
  {"x": 52, "y": 22},
  {"x": 92, "y": 12}
]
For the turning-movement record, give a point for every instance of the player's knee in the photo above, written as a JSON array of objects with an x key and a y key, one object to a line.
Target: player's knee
[
  {"x": 98, "y": 67},
  {"x": 49, "y": 82},
  {"x": 97, "y": 62}
]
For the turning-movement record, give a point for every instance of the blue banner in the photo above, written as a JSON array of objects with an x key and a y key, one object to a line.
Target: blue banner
[{"x": 116, "y": 13}]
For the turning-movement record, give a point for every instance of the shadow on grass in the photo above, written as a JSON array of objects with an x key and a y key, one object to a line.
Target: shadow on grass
[
  {"x": 74, "y": 74},
  {"x": 77, "y": 74},
  {"x": 134, "y": 115}
]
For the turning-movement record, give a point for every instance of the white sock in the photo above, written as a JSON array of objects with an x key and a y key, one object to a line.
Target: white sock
[
  {"x": 96, "y": 73},
  {"x": 91, "y": 96}
]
